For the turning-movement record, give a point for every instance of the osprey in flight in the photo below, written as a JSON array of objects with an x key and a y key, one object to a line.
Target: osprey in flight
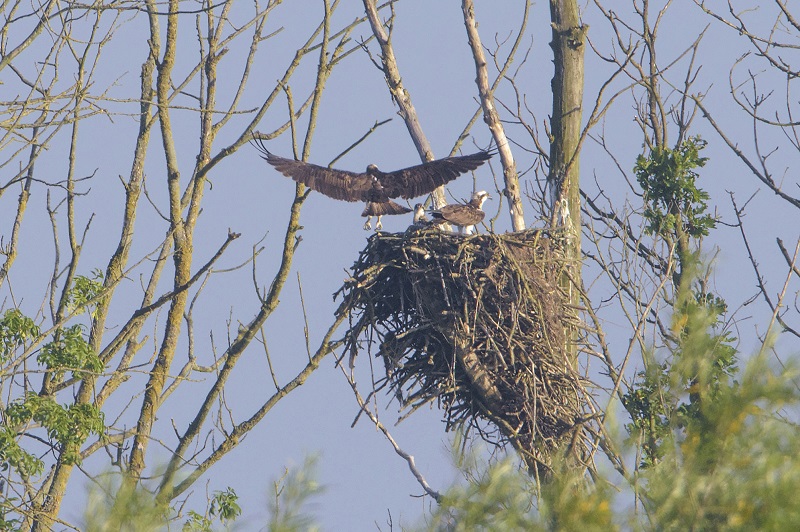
[
  {"x": 374, "y": 187},
  {"x": 465, "y": 216}
]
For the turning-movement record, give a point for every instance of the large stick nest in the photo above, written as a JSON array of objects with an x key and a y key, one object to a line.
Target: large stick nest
[{"x": 479, "y": 324}]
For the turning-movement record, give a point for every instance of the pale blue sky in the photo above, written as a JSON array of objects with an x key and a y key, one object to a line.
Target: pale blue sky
[{"x": 363, "y": 477}]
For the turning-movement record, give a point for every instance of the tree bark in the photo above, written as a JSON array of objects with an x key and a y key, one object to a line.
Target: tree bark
[
  {"x": 564, "y": 175},
  {"x": 492, "y": 119},
  {"x": 182, "y": 257},
  {"x": 563, "y": 179},
  {"x": 401, "y": 95}
]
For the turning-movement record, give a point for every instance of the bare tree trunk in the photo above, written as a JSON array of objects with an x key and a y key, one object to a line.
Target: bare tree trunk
[
  {"x": 401, "y": 95},
  {"x": 564, "y": 176},
  {"x": 492, "y": 118},
  {"x": 182, "y": 241}
]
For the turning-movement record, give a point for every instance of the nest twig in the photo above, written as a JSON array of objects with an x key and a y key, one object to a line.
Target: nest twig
[{"x": 478, "y": 324}]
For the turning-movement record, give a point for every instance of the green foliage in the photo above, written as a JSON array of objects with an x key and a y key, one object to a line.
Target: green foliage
[
  {"x": 14, "y": 456},
  {"x": 115, "y": 506},
  {"x": 650, "y": 411},
  {"x": 498, "y": 498},
  {"x": 10, "y": 524},
  {"x": 570, "y": 502},
  {"x": 706, "y": 356},
  {"x": 197, "y": 523},
  {"x": 292, "y": 494},
  {"x": 721, "y": 453},
  {"x": 225, "y": 505},
  {"x": 734, "y": 463},
  {"x": 670, "y": 394},
  {"x": 15, "y": 330},
  {"x": 85, "y": 290},
  {"x": 668, "y": 178},
  {"x": 502, "y": 497},
  {"x": 69, "y": 425},
  {"x": 69, "y": 351}
]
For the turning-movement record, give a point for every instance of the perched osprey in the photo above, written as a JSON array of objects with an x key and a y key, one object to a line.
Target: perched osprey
[
  {"x": 374, "y": 187},
  {"x": 463, "y": 215},
  {"x": 420, "y": 220}
]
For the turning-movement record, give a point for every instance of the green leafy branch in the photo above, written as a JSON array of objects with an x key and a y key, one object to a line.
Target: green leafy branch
[
  {"x": 85, "y": 291},
  {"x": 68, "y": 425},
  {"x": 16, "y": 330},
  {"x": 668, "y": 179},
  {"x": 69, "y": 351}
]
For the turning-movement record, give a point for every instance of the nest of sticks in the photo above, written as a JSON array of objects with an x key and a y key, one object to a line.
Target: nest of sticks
[{"x": 478, "y": 324}]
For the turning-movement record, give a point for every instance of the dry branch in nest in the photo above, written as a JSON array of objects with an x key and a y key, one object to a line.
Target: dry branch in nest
[{"x": 478, "y": 324}]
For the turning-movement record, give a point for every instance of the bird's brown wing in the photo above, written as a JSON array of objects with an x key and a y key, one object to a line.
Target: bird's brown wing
[
  {"x": 337, "y": 184},
  {"x": 458, "y": 214},
  {"x": 424, "y": 178}
]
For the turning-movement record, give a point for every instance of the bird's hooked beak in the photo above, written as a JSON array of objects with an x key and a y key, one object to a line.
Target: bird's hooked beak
[{"x": 481, "y": 197}]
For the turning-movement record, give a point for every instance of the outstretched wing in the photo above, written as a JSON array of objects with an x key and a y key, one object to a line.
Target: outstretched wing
[
  {"x": 424, "y": 178},
  {"x": 337, "y": 184}
]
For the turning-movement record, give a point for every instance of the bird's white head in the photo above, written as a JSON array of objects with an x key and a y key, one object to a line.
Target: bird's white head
[
  {"x": 479, "y": 197},
  {"x": 372, "y": 169},
  {"x": 419, "y": 214}
]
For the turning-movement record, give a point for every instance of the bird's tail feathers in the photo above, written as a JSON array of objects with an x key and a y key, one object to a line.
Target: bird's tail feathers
[{"x": 384, "y": 208}]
